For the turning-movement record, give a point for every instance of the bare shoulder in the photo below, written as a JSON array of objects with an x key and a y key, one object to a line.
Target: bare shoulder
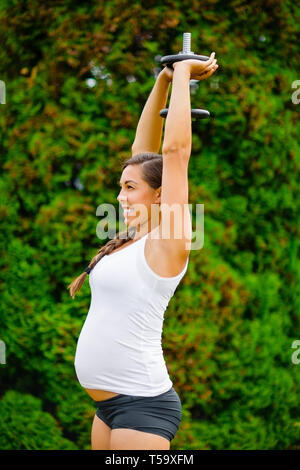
[{"x": 164, "y": 256}]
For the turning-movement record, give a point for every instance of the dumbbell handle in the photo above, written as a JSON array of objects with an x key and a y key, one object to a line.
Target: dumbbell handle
[
  {"x": 186, "y": 46},
  {"x": 185, "y": 54}
]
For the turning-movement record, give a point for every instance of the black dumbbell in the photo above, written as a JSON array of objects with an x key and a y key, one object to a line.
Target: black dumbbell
[
  {"x": 198, "y": 113},
  {"x": 185, "y": 54}
]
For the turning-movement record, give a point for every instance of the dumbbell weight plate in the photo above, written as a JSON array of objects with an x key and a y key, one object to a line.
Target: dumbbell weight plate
[
  {"x": 168, "y": 60},
  {"x": 198, "y": 113}
]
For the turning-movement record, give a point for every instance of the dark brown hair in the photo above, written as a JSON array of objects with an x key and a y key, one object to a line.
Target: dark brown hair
[{"x": 151, "y": 166}]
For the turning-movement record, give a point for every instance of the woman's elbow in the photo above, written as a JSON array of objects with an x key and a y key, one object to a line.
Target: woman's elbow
[{"x": 181, "y": 150}]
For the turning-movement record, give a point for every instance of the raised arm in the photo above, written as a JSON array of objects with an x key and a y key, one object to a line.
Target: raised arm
[
  {"x": 178, "y": 128},
  {"x": 149, "y": 130},
  {"x": 176, "y": 231}
]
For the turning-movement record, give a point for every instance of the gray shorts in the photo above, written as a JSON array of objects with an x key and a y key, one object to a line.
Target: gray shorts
[{"x": 157, "y": 415}]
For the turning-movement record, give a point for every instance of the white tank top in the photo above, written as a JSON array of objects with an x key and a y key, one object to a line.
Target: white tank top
[{"x": 119, "y": 347}]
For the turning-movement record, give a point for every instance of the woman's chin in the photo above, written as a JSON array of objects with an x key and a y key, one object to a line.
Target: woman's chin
[{"x": 128, "y": 222}]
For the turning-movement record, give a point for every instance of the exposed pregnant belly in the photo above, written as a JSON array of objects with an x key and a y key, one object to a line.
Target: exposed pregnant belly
[{"x": 99, "y": 395}]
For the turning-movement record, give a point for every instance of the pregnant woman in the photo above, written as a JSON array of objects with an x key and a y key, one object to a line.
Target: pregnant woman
[{"x": 119, "y": 359}]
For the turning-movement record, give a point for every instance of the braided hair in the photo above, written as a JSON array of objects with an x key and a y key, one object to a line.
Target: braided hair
[{"x": 151, "y": 165}]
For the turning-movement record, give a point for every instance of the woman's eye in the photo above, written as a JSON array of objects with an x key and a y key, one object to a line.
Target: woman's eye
[{"x": 129, "y": 187}]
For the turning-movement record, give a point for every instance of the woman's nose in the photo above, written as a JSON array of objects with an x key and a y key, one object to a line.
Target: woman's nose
[{"x": 120, "y": 197}]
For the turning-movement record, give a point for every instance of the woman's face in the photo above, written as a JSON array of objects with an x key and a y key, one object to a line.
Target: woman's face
[{"x": 138, "y": 196}]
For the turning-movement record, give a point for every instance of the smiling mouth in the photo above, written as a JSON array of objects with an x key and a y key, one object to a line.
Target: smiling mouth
[{"x": 128, "y": 210}]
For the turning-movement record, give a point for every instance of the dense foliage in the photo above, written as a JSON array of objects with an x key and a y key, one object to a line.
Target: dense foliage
[{"x": 77, "y": 76}]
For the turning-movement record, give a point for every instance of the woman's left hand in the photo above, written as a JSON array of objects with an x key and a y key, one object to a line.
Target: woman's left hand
[{"x": 168, "y": 73}]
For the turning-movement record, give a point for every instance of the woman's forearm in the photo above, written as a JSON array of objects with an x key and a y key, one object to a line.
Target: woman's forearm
[
  {"x": 178, "y": 127},
  {"x": 150, "y": 126}
]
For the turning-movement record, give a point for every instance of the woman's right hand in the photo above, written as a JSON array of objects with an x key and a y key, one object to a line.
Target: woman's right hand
[{"x": 199, "y": 69}]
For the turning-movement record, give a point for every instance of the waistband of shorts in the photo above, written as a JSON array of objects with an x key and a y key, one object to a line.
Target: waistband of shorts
[{"x": 122, "y": 395}]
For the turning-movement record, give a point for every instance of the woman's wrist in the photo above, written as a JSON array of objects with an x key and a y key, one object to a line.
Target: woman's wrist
[
  {"x": 182, "y": 66},
  {"x": 166, "y": 75}
]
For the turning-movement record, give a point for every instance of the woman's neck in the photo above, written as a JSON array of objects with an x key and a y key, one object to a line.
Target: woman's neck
[{"x": 143, "y": 229}]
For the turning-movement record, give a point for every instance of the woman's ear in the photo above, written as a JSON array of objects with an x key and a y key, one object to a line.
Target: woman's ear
[{"x": 158, "y": 195}]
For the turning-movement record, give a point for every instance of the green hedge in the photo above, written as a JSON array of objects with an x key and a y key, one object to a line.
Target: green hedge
[
  {"x": 228, "y": 330},
  {"x": 24, "y": 425}
]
